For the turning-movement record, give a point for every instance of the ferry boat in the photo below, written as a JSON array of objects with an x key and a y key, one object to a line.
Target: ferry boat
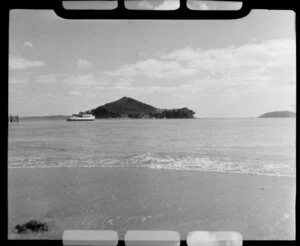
[{"x": 81, "y": 117}]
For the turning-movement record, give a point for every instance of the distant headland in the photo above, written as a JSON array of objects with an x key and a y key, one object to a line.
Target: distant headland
[
  {"x": 46, "y": 117},
  {"x": 278, "y": 114},
  {"x": 127, "y": 107}
]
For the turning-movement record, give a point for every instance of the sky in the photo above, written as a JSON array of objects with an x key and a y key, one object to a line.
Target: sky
[{"x": 217, "y": 68}]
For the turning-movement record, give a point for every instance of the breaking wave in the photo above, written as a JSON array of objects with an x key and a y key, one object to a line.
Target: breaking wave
[{"x": 155, "y": 161}]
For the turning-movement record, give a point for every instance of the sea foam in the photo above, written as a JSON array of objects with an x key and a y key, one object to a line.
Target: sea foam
[{"x": 156, "y": 161}]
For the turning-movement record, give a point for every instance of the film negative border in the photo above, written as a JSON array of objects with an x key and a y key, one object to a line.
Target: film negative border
[
  {"x": 151, "y": 238},
  {"x": 121, "y": 12}
]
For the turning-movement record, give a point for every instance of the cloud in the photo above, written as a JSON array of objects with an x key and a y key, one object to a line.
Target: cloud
[
  {"x": 19, "y": 63},
  {"x": 185, "y": 54},
  {"x": 84, "y": 64},
  {"x": 125, "y": 82},
  {"x": 246, "y": 62},
  {"x": 266, "y": 66},
  {"x": 189, "y": 72},
  {"x": 83, "y": 80},
  {"x": 186, "y": 90},
  {"x": 47, "y": 78},
  {"x": 268, "y": 53},
  {"x": 18, "y": 81},
  {"x": 28, "y": 44},
  {"x": 74, "y": 93},
  {"x": 154, "y": 69},
  {"x": 78, "y": 81},
  {"x": 49, "y": 96}
]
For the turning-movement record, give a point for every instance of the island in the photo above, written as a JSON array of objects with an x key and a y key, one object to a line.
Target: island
[
  {"x": 127, "y": 107},
  {"x": 278, "y": 114}
]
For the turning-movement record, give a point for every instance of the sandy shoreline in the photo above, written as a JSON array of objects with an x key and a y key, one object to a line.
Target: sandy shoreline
[{"x": 121, "y": 199}]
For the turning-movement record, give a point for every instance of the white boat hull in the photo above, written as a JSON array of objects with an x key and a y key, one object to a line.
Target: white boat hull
[{"x": 81, "y": 118}]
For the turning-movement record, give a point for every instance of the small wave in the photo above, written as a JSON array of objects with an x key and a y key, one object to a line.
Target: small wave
[{"x": 154, "y": 161}]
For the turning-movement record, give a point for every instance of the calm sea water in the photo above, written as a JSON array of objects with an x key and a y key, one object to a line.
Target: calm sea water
[{"x": 251, "y": 146}]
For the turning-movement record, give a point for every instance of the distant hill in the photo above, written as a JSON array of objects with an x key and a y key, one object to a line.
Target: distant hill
[
  {"x": 278, "y": 114},
  {"x": 48, "y": 117},
  {"x": 127, "y": 107}
]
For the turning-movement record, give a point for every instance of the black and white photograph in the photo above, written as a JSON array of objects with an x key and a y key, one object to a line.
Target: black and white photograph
[{"x": 152, "y": 125}]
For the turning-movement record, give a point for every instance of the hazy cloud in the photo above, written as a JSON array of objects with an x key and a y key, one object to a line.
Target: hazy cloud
[
  {"x": 268, "y": 53},
  {"x": 19, "y": 63},
  {"x": 248, "y": 66},
  {"x": 18, "y": 81},
  {"x": 226, "y": 73},
  {"x": 125, "y": 82},
  {"x": 83, "y": 80},
  {"x": 155, "y": 69},
  {"x": 250, "y": 62},
  {"x": 84, "y": 64},
  {"x": 28, "y": 44},
  {"x": 47, "y": 78},
  {"x": 74, "y": 93}
]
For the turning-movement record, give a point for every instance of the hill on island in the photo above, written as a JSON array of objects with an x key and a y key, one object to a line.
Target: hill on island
[
  {"x": 278, "y": 114},
  {"x": 127, "y": 107}
]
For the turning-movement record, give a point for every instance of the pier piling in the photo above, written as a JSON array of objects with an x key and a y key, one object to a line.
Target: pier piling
[{"x": 12, "y": 118}]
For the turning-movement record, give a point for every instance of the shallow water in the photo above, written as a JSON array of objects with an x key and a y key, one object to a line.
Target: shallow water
[
  {"x": 251, "y": 146},
  {"x": 122, "y": 199}
]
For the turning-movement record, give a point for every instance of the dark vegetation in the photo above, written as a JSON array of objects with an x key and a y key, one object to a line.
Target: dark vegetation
[
  {"x": 127, "y": 107},
  {"x": 278, "y": 114},
  {"x": 32, "y": 225}
]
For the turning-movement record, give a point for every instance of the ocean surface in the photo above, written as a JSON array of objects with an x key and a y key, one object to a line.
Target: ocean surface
[{"x": 256, "y": 146}]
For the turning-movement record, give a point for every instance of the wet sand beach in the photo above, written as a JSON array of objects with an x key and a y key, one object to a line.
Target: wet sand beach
[{"x": 121, "y": 199}]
